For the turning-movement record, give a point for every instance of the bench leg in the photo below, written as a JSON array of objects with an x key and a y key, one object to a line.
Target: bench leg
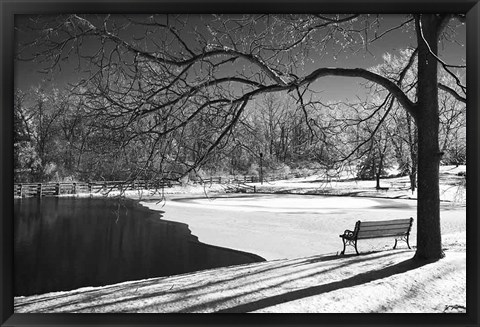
[
  {"x": 405, "y": 239},
  {"x": 350, "y": 243}
]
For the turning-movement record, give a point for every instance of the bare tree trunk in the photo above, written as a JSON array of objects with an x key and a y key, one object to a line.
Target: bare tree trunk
[
  {"x": 379, "y": 169},
  {"x": 412, "y": 144},
  {"x": 429, "y": 245}
]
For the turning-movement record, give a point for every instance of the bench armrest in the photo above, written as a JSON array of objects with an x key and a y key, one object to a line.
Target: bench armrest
[{"x": 347, "y": 234}]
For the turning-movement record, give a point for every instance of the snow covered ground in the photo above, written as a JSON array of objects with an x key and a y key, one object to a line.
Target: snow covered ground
[
  {"x": 298, "y": 235},
  {"x": 385, "y": 281}
]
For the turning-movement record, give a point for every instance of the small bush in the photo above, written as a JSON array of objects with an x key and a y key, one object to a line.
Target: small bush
[
  {"x": 282, "y": 169},
  {"x": 254, "y": 169}
]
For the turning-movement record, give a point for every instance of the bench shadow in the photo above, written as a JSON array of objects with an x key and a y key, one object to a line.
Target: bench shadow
[
  {"x": 335, "y": 256},
  {"x": 359, "y": 279}
]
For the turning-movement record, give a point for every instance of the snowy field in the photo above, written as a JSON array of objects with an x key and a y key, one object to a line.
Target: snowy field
[
  {"x": 288, "y": 226},
  {"x": 298, "y": 235}
]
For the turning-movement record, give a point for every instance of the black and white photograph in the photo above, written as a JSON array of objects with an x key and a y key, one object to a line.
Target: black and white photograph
[{"x": 240, "y": 163}]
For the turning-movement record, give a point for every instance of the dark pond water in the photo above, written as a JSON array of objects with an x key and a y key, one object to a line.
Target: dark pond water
[{"x": 67, "y": 243}]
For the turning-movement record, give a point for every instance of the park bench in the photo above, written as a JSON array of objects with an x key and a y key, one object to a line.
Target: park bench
[{"x": 398, "y": 228}]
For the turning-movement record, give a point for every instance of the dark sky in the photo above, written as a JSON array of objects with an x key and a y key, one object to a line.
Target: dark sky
[{"x": 26, "y": 73}]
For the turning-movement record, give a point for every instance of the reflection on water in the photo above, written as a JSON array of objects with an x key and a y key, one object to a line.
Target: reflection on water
[{"x": 67, "y": 243}]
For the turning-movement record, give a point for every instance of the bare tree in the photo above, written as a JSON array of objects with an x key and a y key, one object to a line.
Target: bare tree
[{"x": 176, "y": 67}]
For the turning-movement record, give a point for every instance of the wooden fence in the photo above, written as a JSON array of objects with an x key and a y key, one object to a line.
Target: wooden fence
[
  {"x": 233, "y": 179},
  {"x": 52, "y": 189},
  {"x": 49, "y": 189},
  {"x": 230, "y": 179}
]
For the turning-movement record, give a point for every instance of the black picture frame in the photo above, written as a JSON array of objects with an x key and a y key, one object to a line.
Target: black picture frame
[{"x": 9, "y": 8}]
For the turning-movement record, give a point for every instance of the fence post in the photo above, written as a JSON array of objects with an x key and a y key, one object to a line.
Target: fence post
[
  {"x": 20, "y": 187},
  {"x": 89, "y": 187},
  {"x": 74, "y": 188},
  {"x": 57, "y": 188},
  {"x": 39, "y": 190}
]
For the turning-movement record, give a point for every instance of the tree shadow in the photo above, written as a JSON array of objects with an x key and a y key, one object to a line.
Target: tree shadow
[
  {"x": 98, "y": 300},
  {"x": 304, "y": 266},
  {"x": 359, "y": 279}
]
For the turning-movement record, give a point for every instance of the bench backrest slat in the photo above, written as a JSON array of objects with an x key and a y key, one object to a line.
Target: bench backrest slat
[
  {"x": 386, "y": 222},
  {"x": 384, "y": 227}
]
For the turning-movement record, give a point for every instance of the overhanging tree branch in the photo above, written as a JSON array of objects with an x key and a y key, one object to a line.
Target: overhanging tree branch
[
  {"x": 452, "y": 92},
  {"x": 368, "y": 75}
]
